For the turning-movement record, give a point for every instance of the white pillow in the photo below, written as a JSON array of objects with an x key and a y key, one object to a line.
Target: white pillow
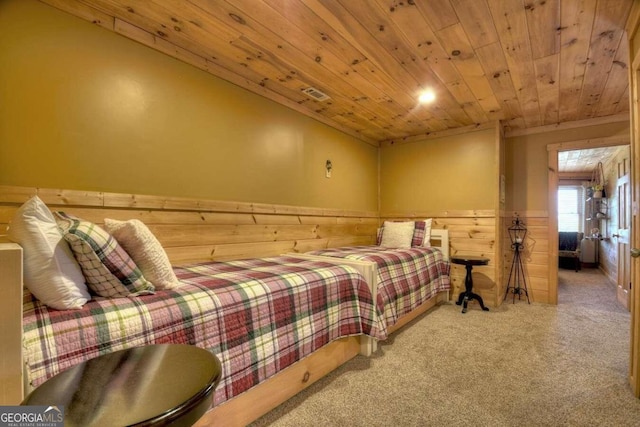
[
  {"x": 427, "y": 233},
  {"x": 145, "y": 250},
  {"x": 397, "y": 234},
  {"x": 51, "y": 272}
]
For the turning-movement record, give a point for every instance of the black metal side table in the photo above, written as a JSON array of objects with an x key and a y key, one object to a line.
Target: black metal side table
[
  {"x": 469, "y": 261},
  {"x": 152, "y": 385}
]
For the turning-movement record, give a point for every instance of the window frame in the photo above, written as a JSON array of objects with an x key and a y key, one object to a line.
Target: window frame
[{"x": 580, "y": 207}]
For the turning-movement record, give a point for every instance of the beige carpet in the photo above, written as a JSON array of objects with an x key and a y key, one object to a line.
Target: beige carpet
[{"x": 518, "y": 365}]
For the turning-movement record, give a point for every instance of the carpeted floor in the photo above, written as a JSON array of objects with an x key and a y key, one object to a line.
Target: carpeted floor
[{"x": 518, "y": 365}]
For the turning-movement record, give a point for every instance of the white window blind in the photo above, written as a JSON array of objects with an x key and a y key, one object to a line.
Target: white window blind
[{"x": 570, "y": 208}]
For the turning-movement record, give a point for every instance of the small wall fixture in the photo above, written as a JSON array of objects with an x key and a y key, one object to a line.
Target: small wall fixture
[{"x": 328, "y": 167}]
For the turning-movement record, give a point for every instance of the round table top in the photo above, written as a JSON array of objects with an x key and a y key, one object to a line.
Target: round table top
[
  {"x": 469, "y": 260},
  {"x": 151, "y": 384}
]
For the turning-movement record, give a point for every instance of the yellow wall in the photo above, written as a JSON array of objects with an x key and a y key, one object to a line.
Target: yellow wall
[
  {"x": 449, "y": 173},
  {"x": 84, "y": 108}
]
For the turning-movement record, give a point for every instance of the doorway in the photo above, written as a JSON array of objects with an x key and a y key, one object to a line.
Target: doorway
[
  {"x": 603, "y": 219},
  {"x": 554, "y": 177}
]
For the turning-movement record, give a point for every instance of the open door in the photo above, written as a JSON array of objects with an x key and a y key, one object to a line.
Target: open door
[
  {"x": 622, "y": 235},
  {"x": 633, "y": 24},
  {"x": 634, "y": 374}
]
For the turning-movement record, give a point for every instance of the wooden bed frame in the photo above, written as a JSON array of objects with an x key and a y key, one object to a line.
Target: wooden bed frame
[{"x": 196, "y": 230}]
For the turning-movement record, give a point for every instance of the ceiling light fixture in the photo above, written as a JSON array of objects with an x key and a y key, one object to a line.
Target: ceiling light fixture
[{"x": 427, "y": 97}]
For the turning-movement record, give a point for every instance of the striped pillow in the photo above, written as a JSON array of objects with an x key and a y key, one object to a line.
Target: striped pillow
[
  {"x": 379, "y": 236},
  {"x": 418, "y": 234},
  {"x": 108, "y": 269}
]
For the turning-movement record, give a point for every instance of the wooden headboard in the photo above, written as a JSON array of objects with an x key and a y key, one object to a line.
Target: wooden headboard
[{"x": 440, "y": 239}]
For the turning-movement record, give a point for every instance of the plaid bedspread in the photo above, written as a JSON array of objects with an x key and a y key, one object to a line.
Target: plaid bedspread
[
  {"x": 406, "y": 277},
  {"x": 258, "y": 316}
]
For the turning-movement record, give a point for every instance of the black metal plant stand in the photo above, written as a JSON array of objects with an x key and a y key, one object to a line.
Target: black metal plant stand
[{"x": 517, "y": 283}]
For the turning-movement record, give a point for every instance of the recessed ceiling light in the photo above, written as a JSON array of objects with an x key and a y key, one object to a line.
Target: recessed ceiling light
[{"x": 427, "y": 96}]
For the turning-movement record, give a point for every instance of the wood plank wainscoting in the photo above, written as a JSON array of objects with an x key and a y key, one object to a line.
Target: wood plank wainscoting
[
  {"x": 193, "y": 230},
  {"x": 535, "y": 258}
]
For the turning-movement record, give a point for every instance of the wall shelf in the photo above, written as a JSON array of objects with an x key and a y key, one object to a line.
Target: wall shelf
[{"x": 597, "y": 211}]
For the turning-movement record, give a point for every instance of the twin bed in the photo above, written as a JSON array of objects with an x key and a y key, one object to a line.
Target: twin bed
[
  {"x": 277, "y": 323},
  {"x": 258, "y": 316},
  {"x": 407, "y": 281}
]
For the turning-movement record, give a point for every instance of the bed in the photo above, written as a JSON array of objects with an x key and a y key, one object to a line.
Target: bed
[
  {"x": 407, "y": 281},
  {"x": 258, "y": 316},
  {"x": 224, "y": 239}
]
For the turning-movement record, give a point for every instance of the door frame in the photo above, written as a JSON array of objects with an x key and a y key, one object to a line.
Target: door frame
[{"x": 553, "y": 150}]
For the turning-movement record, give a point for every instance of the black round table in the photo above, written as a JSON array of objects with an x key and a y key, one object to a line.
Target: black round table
[
  {"x": 469, "y": 261},
  {"x": 143, "y": 386}
]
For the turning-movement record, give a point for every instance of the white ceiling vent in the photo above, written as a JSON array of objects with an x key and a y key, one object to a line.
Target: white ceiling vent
[{"x": 316, "y": 94}]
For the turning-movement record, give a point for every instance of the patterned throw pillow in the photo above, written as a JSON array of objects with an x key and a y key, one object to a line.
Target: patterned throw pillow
[
  {"x": 421, "y": 233},
  {"x": 146, "y": 251},
  {"x": 108, "y": 269},
  {"x": 418, "y": 234},
  {"x": 397, "y": 234}
]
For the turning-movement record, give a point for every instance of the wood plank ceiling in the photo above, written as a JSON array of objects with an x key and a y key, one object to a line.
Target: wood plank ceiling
[
  {"x": 585, "y": 161},
  {"x": 527, "y": 63}
]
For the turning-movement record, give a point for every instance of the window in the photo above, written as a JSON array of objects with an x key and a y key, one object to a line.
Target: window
[{"x": 570, "y": 208}]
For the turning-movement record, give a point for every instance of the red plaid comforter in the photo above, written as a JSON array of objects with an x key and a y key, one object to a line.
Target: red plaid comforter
[
  {"x": 258, "y": 316},
  {"x": 406, "y": 277}
]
